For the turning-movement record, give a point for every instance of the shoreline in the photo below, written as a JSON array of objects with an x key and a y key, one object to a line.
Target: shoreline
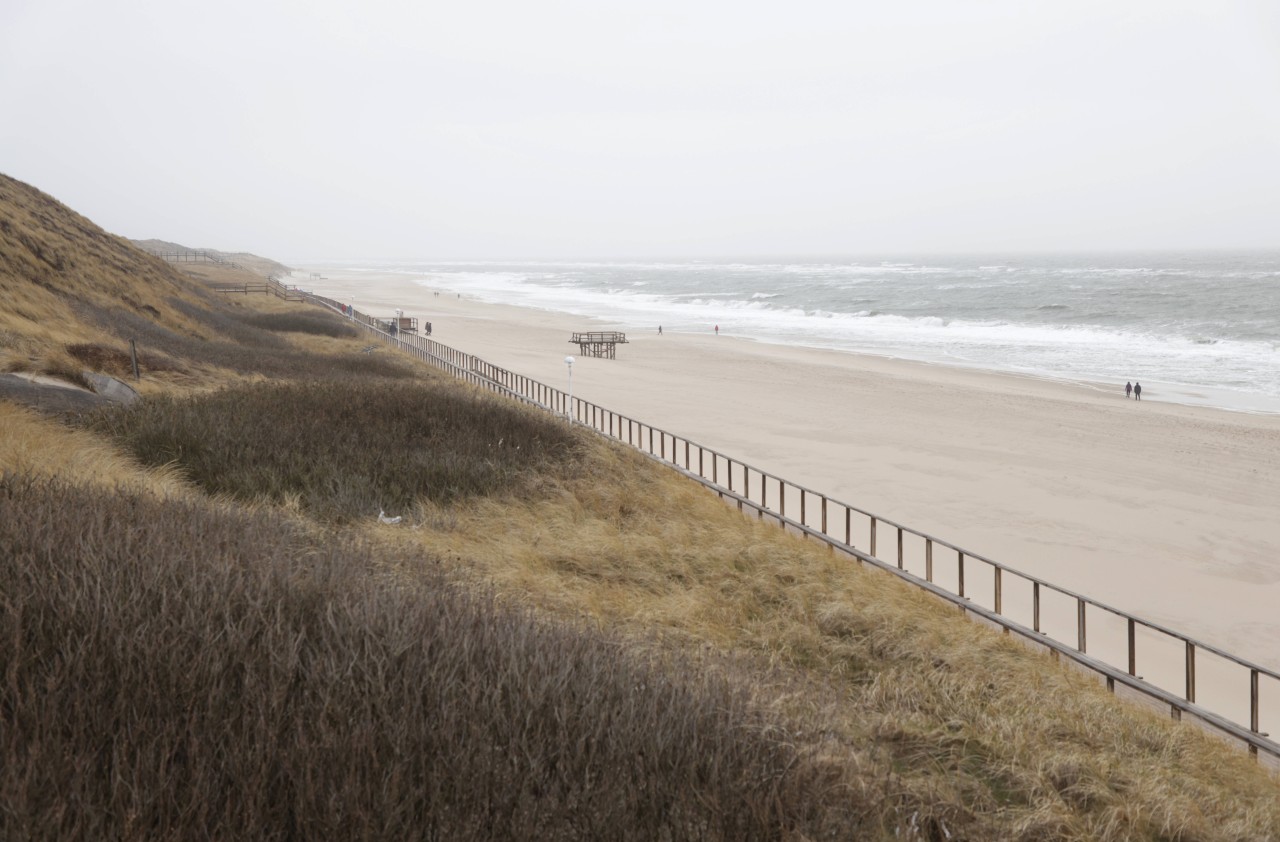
[
  {"x": 1187, "y": 371},
  {"x": 1179, "y": 394},
  {"x": 1157, "y": 508}
]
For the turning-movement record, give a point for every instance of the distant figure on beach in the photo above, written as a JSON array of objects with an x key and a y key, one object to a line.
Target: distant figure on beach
[
  {"x": 717, "y": 330},
  {"x": 1137, "y": 391},
  {"x": 1128, "y": 389},
  {"x": 659, "y": 330}
]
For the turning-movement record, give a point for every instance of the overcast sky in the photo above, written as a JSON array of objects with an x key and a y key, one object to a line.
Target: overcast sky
[{"x": 551, "y": 128}]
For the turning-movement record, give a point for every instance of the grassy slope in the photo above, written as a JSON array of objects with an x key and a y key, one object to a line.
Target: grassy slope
[
  {"x": 260, "y": 265},
  {"x": 54, "y": 262},
  {"x": 895, "y": 716}
]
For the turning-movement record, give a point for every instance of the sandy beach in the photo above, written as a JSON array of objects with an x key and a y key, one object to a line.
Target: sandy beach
[{"x": 1163, "y": 510}]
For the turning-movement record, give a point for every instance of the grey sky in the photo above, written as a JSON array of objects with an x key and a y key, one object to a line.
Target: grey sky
[{"x": 593, "y": 129}]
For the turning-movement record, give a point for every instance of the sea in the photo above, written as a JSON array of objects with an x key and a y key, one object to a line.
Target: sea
[{"x": 1196, "y": 327}]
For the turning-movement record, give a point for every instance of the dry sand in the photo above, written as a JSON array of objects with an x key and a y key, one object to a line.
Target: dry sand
[{"x": 1163, "y": 510}]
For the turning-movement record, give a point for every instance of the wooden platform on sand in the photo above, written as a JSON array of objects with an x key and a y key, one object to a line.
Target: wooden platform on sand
[{"x": 599, "y": 343}]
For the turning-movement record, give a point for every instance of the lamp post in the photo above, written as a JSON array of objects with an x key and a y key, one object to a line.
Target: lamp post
[{"x": 568, "y": 410}]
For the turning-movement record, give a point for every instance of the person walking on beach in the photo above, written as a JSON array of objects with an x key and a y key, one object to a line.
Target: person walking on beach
[
  {"x": 717, "y": 330},
  {"x": 1128, "y": 389},
  {"x": 659, "y": 330},
  {"x": 1137, "y": 391}
]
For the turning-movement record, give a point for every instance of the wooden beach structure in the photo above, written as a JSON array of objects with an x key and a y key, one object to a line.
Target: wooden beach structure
[
  {"x": 402, "y": 324},
  {"x": 599, "y": 343}
]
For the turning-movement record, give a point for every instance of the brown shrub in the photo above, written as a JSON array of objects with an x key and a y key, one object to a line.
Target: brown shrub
[
  {"x": 346, "y": 453},
  {"x": 119, "y": 362},
  {"x": 173, "y": 670}
]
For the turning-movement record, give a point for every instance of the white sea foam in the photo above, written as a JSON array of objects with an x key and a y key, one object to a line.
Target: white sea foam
[{"x": 1204, "y": 324}]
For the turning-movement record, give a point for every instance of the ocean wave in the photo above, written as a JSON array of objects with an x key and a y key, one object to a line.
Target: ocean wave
[
  {"x": 1120, "y": 271},
  {"x": 1091, "y": 321}
]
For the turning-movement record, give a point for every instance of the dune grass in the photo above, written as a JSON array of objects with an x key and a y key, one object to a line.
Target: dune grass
[
  {"x": 345, "y": 453},
  {"x": 183, "y": 670},
  {"x": 32, "y": 445},
  {"x": 75, "y": 295},
  {"x": 51, "y": 256},
  {"x": 315, "y": 321}
]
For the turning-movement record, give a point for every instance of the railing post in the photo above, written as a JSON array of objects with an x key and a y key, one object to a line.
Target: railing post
[
  {"x": 873, "y": 536},
  {"x": 1035, "y": 606},
  {"x": 782, "y": 497},
  {"x": 803, "y": 520},
  {"x": 729, "y": 468},
  {"x": 764, "y": 489},
  {"x": 1191, "y": 671},
  {"x": 1253, "y": 708},
  {"x": 848, "y": 526},
  {"x": 960, "y": 569},
  {"x": 1133, "y": 648},
  {"x": 999, "y": 597},
  {"x": 1080, "y": 636},
  {"x": 928, "y": 559},
  {"x": 900, "y": 567},
  {"x": 824, "y": 515}
]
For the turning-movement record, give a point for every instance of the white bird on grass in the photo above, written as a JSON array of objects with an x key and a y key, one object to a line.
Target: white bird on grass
[{"x": 382, "y": 518}]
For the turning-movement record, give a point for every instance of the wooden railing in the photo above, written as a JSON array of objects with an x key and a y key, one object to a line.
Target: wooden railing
[
  {"x": 270, "y": 285},
  {"x": 1043, "y": 614}
]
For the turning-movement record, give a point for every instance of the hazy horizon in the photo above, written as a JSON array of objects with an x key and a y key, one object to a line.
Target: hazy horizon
[
  {"x": 815, "y": 257},
  {"x": 514, "y": 131}
]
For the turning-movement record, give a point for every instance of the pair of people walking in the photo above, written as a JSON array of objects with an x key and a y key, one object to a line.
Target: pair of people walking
[{"x": 1134, "y": 389}]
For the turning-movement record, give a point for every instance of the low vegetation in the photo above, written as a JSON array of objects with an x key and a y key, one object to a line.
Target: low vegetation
[
  {"x": 231, "y": 675},
  {"x": 75, "y": 296},
  {"x": 346, "y": 453},
  {"x": 235, "y": 348},
  {"x": 318, "y": 322}
]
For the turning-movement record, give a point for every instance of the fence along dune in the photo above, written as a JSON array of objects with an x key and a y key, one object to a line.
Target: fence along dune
[{"x": 1239, "y": 704}]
